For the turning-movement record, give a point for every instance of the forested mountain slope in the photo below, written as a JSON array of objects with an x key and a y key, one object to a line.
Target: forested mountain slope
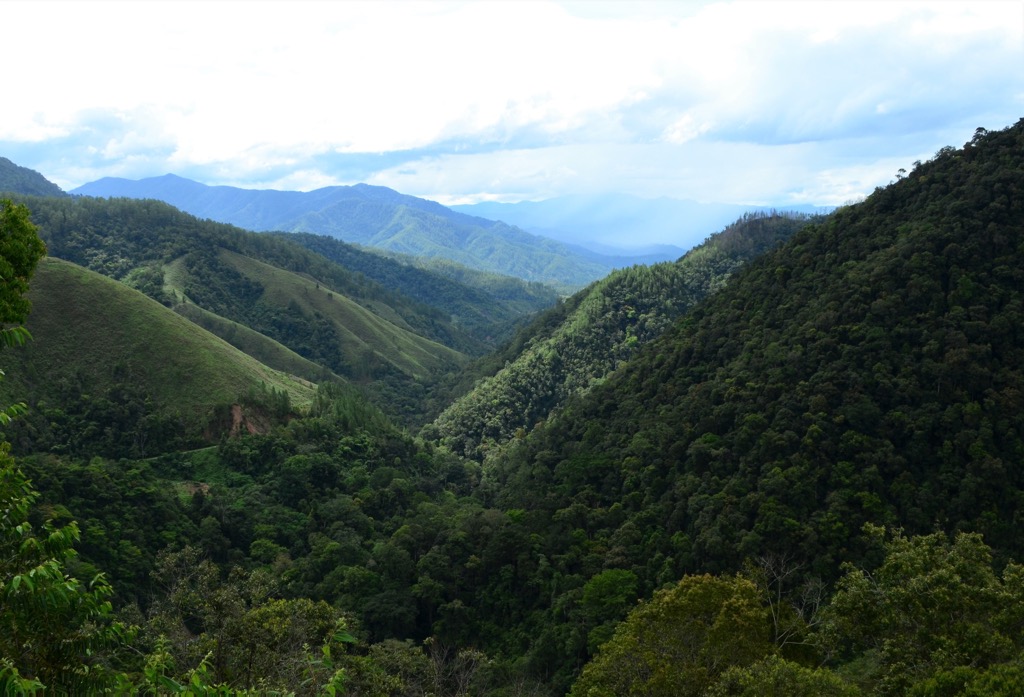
[
  {"x": 870, "y": 370},
  {"x": 109, "y": 371},
  {"x": 374, "y": 216},
  {"x": 15, "y": 179},
  {"x": 577, "y": 345}
]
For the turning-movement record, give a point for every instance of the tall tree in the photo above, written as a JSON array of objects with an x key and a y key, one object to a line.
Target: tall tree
[{"x": 54, "y": 629}]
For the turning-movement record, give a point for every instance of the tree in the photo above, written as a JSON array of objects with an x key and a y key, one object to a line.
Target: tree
[
  {"x": 681, "y": 641},
  {"x": 20, "y": 252},
  {"x": 932, "y": 610},
  {"x": 777, "y": 677}
]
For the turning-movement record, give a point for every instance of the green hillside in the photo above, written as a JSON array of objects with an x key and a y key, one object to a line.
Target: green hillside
[
  {"x": 15, "y": 179},
  {"x": 395, "y": 346},
  {"x": 98, "y": 344},
  {"x": 356, "y": 331},
  {"x": 487, "y": 305},
  {"x": 576, "y": 346},
  {"x": 869, "y": 371},
  {"x": 248, "y": 341},
  {"x": 808, "y": 484}
]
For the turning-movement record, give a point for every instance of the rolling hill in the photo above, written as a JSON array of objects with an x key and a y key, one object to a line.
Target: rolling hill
[
  {"x": 487, "y": 305},
  {"x": 394, "y": 346},
  {"x": 99, "y": 346}
]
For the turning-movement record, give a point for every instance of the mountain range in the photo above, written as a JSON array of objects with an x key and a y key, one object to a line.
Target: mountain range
[{"x": 373, "y": 216}]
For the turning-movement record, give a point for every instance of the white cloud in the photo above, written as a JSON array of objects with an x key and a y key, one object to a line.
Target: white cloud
[{"x": 510, "y": 99}]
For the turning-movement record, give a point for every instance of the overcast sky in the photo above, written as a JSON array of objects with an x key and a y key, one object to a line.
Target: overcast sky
[{"x": 755, "y": 103}]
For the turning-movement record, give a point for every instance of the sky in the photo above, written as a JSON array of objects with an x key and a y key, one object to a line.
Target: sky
[{"x": 757, "y": 103}]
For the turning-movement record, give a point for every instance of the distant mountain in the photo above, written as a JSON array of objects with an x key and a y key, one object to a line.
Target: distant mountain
[
  {"x": 15, "y": 179},
  {"x": 373, "y": 216},
  {"x": 621, "y": 225},
  {"x": 571, "y": 348}
]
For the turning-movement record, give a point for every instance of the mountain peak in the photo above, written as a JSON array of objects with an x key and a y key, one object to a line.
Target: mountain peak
[{"x": 22, "y": 180}]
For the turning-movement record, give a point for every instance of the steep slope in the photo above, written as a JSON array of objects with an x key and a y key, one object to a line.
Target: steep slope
[
  {"x": 106, "y": 353},
  {"x": 345, "y": 331},
  {"x": 870, "y": 370},
  {"x": 374, "y": 216},
  {"x": 576, "y": 346},
  {"x": 15, "y": 179}
]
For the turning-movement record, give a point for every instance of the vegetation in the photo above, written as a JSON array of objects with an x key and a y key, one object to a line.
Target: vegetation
[
  {"x": 485, "y": 304},
  {"x": 579, "y": 344},
  {"x": 23, "y": 181},
  {"x": 396, "y": 348},
  {"x": 807, "y": 484},
  {"x": 112, "y": 372},
  {"x": 373, "y": 216}
]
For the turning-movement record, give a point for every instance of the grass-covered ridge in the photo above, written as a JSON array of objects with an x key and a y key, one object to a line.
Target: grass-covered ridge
[
  {"x": 357, "y": 330},
  {"x": 394, "y": 345},
  {"x": 93, "y": 336}
]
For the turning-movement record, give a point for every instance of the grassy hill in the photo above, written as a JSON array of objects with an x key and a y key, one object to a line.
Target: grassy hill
[
  {"x": 262, "y": 348},
  {"x": 485, "y": 304},
  {"x": 97, "y": 340},
  {"x": 357, "y": 332},
  {"x": 395, "y": 346}
]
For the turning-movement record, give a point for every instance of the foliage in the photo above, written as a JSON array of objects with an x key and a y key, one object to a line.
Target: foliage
[
  {"x": 777, "y": 677},
  {"x": 20, "y": 251},
  {"x": 484, "y": 304},
  {"x": 576, "y": 346},
  {"x": 933, "y": 606},
  {"x": 681, "y": 641},
  {"x": 869, "y": 370},
  {"x": 21, "y": 180},
  {"x": 56, "y": 631}
]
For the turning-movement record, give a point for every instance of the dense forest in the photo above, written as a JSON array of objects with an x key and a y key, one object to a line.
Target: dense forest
[
  {"x": 583, "y": 340},
  {"x": 801, "y": 478}
]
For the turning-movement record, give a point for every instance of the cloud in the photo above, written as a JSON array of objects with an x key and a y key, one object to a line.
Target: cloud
[{"x": 462, "y": 100}]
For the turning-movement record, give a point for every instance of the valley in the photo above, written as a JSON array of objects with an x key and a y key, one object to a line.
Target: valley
[{"x": 258, "y": 458}]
